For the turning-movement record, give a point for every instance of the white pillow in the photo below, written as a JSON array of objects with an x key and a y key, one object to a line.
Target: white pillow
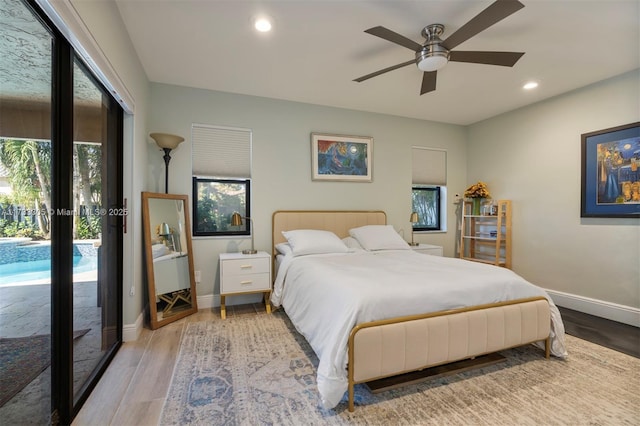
[
  {"x": 379, "y": 237},
  {"x": 284, "y": 248},
  {"x": 352, "y": 243},
  {"x": 314, "y": 241},
  {"x": 159, "y": 249}
]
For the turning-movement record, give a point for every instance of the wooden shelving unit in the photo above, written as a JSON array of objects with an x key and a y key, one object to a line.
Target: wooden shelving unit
[{"x": 486, "y": 237}]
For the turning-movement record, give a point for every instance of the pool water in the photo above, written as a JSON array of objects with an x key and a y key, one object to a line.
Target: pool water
[{"x": 41, "y": 269}]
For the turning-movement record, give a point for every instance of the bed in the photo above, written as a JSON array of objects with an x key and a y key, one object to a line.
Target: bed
[{"x": 379, "y": 309}]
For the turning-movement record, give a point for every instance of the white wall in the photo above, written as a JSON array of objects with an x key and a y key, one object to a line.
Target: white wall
[
  {"x": 532, "y": 156},
  {"x": 281, "y": 168},
  {"x": 103, "y": 21}
]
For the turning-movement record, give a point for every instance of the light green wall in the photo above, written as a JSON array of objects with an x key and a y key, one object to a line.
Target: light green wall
[
  {"x": 281, "y": 168},
  {"x": 532, "y": 156}
]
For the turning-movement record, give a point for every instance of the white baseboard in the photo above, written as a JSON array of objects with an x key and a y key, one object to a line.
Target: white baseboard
[
  {"x": 208, "y": 301},
  {"x": 131, "y": 332},
  {"x": 600, "y": 308}
]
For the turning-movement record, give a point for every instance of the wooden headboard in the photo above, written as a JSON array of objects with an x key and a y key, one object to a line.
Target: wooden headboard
[{"x": 336, "y": 221}]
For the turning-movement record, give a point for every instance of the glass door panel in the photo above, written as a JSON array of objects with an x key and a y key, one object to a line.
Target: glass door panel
[
  {"x": 95, "y": 277},
  {"x": 25, "y": 201}
]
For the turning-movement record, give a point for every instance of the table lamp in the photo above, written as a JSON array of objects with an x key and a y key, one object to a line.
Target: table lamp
[
  {"x": 413, "y": 219},
  {"x": 236, "y": 220}
]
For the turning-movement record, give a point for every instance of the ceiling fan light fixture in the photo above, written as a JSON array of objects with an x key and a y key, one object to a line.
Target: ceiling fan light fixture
[
  {"x": 433, "y": 56},
  {"x": 433, "y": 62}
]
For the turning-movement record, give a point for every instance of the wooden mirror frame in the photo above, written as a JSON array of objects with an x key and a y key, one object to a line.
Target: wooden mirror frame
[{"x": 151, "y": 287}]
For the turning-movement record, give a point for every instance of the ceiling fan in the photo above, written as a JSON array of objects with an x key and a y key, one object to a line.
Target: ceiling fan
[{"x": 436, "y": 53}]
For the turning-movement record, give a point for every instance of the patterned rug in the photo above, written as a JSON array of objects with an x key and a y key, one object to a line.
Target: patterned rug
[
  {"x": 257, "y": 370},
  {"x": 22, "y": 359}
]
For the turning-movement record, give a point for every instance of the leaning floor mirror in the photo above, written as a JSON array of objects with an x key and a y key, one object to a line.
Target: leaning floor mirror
[{"x": 167, "y": 243}]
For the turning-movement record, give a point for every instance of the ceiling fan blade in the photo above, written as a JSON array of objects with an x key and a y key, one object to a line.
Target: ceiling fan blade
[
  {"x": 491, "y": 15},
  {"x": 395, "y": 67},
  {"x": 394, "y": 37},
  {"x": 428, "y": 82},
  {"x": 505, "y": 59}
]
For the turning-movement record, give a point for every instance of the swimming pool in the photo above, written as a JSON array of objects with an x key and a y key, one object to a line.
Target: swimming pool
[{"x": 41, "y": 269}]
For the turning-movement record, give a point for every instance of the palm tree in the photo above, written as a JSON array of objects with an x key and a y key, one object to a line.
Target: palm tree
[
  {"x": 29, "y": 165},
  {"x": 87, "y": 188}
]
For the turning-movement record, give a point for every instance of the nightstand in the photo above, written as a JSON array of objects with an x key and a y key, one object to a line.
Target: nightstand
[
  {"x": 244, "y": 274},
  {"x": 428, "y": 249}
]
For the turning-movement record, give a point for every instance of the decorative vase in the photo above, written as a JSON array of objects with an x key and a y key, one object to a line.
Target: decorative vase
[{"x": 476, "y": 204}]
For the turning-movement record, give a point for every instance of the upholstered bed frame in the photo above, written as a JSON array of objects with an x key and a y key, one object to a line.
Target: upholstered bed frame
[{"x": 396, "y": 346}]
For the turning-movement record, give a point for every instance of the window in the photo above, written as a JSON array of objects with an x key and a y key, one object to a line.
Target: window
[
  {"x": 215, "y": 200},
  {"x": 428, "y": 189},
  {"x": 426, "y": 202},
  {"x": 221, "y": 162}
]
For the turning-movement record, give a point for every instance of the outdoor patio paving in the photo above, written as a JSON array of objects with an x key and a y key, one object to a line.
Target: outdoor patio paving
[{"x": 25, "y": 310}]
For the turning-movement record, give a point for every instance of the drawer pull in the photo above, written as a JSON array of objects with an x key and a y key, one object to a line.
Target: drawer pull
[
  {"x": 246, "y": 266},
  {"x": 246, "y": 282}
]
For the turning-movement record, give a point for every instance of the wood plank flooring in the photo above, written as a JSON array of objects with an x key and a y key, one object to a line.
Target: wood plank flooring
[
  {"x": 133, "y": 388},
  {"x": 610, "y": 334}
]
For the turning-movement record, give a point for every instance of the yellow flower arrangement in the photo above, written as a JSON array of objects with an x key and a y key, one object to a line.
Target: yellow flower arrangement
[{"x": 477, "y": 190}]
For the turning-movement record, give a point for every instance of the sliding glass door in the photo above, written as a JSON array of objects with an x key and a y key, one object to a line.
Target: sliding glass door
[{"x": 61, "y": 222}]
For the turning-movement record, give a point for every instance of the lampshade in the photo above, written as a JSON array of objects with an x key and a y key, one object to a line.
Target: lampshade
[
  {"x": 164, "y": 229},
  {"x": 236, "y": 219},
  {"x": 166, "y": 140}
]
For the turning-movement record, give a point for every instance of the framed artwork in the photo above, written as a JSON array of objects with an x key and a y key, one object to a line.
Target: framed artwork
[
  {"x": 341, "y": 158},
  {"x": 611, "y": 172}
]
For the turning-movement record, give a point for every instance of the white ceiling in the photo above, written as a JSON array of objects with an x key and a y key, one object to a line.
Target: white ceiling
[{"x": 317, "y": 47}]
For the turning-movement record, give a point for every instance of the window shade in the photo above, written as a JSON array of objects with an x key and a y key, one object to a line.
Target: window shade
[
  {"x": 221, "y": 151},
  {"x": 429, "y": 166}
]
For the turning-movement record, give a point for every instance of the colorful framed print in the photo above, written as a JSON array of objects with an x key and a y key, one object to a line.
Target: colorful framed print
[
  {"x": 611, "y": 172},
  {"x": 341, "y": 158}
]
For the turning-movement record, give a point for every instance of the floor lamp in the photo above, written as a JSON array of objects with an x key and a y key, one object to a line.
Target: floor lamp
[{"x": 167, "y": 142}]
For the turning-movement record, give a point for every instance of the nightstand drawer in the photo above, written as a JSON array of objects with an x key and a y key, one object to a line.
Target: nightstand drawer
[
  {"x": 245, "y": 266},
  {"x": 245, "y": 283}
]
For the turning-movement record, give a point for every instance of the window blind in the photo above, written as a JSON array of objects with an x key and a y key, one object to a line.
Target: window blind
[
  {"x": 220, "y": 151},
  {"x": 429, "y": 166}
]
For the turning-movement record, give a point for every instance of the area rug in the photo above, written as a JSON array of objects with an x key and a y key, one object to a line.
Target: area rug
[
  {"x": 257, "y": 370},
  {"x": 22, "y": 359}
]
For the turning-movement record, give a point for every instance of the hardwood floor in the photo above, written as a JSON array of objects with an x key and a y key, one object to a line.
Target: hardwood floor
[
  {"x": 133, "y": 389},
  {"x": 613, "y": 335}
]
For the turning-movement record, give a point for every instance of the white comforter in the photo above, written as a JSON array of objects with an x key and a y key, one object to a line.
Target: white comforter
[{"x": 326, "y": 295}]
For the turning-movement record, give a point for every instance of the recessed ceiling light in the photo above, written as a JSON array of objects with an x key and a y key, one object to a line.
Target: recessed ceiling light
[
  {"x": 530, "y": 85},
  {"x": 262, "y": 24}
]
